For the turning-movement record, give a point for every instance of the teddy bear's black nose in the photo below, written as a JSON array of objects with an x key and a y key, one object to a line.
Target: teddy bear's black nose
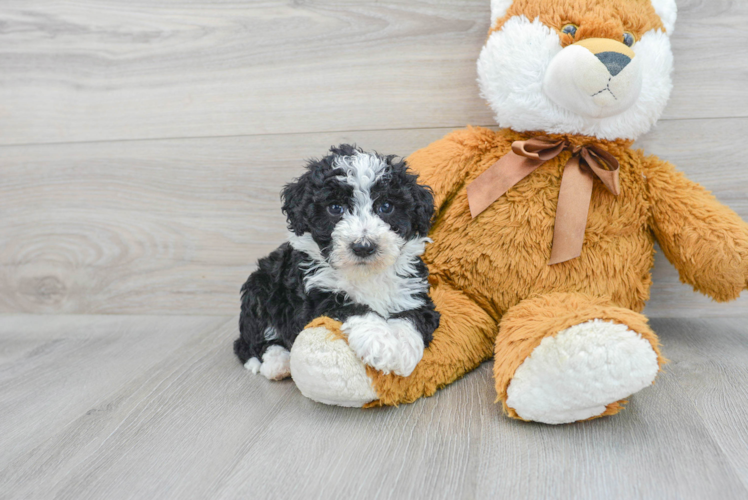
[
  {"x": 614, "y": 61},
  {"x": 363, "y": 248}
]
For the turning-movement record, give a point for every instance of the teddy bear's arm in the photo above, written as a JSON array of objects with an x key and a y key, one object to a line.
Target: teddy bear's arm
[
  {"x": 706, "y": 241},
  {"x": 442, "y": 164}
]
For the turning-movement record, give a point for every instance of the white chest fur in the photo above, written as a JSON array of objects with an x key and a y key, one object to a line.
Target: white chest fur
[{"x": 388, "y": 291}]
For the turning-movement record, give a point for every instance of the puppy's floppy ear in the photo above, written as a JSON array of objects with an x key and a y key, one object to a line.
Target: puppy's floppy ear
[
  {"x": 422, "y": 197},
  {"x": 294, "y": 201},
  {"x": 424, "y": 208}
]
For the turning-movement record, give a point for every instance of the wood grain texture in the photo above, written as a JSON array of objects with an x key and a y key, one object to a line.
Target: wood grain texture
[
  {"x": 89, "y": 70},
  {"x": 708, "y": 364},
  {"x": 175, "y": 226},
  {"x": 176, "y": 416},
  {"x": 89, "y": 356},
  {"x": 152, "y": 226}
]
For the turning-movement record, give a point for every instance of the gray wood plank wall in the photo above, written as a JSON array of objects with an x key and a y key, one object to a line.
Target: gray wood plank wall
[{"x": 143, "y": 144}]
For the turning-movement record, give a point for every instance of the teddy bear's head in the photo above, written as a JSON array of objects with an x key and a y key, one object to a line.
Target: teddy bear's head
[{"x": 592, "y": 67}]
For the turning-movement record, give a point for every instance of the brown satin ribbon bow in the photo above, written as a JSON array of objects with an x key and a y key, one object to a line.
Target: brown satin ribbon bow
[{"x": 575, "y": 193}]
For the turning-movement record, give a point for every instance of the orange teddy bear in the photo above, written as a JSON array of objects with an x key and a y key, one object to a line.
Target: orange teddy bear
[{"x": 544, "y": 234}]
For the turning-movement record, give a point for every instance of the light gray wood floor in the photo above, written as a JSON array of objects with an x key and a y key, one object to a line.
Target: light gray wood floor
[{"x": 157, "y": 407}]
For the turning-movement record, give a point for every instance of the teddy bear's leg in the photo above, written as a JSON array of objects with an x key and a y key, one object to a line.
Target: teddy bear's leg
[
  {"x": 327, "y": 370},
  {"x": 464, "y": 339},
  {"x": 565, "y": 357}
]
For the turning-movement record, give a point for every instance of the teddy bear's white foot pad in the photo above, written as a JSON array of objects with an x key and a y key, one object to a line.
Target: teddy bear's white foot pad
[
  {"x": 575, "y": 374},
  {"x": 327, "y": 370}
]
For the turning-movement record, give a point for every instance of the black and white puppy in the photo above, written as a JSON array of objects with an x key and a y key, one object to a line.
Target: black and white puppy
[{"x": 358, "y": 225}]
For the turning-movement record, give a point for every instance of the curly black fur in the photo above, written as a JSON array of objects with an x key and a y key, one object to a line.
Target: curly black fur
[
  {"x": 306, "y": 199},
  {"x": 275, "y": 304}
]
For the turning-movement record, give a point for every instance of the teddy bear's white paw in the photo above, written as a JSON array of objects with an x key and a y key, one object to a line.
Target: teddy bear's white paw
[
  {"x": 327, "y": 370},
  {"x": 575, "y": 374},
  {"x": 392, "y": 345},
  {"x": 275, "y": 364}
]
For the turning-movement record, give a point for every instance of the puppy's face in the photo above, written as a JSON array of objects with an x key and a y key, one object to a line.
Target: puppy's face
[{"x": 360, "y": 209}]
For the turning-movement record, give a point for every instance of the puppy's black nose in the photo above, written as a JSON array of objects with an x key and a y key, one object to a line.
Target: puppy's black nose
[
  {"x": 363, "y": 249},
  {"x": 614, "y": 61}
]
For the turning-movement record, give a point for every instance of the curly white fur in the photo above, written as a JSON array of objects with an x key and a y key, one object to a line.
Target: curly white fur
[
  {"x": 394, "y": 289},
  {"x": 392, "y": 345},
  {"x": 275, "y": 364},
  {"x": 389, "y": 283}
]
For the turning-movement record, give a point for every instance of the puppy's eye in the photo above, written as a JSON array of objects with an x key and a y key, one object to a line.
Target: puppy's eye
[
  {"x": 628, "y": 39},
  {"x": 570, "y": 29},
  {"x": 386, "y": 208},
  {"x": 335, "y": 209}
]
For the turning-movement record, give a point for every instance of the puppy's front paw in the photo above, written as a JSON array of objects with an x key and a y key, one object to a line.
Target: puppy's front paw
[
  {"x": 387, "y": 345},
  {"x": 275, "y": 363},
  {"x": 411, "y": 345}
]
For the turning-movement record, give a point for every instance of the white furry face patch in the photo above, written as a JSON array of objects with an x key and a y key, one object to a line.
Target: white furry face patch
[
  {"x": 394, "y": 289},
  {"x": 376, "y": 223},
  {"x": 362, "y": 242},
  {"x": 532, "y": 83}
]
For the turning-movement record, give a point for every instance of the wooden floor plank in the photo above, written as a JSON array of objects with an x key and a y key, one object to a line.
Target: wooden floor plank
[
  {"x": 164, "y": 227},
  {"x": 709, "y": 361},
  {"x": 197, "y": 425},
  {"x": 415, "y": 451},
  {"x": 119, "y": 69},
  {"x": 87, "y": 358},
  {"x": 73, "y": 455},
  {"x": 648, "y": 451}
]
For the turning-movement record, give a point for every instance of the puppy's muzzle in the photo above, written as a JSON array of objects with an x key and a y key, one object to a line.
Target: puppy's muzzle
[
  {"x": 596, "y": 78},
  {"x": 363, "y": 249}
]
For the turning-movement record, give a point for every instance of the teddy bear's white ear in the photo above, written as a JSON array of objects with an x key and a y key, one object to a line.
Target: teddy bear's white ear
[
  {"x": 668, "y": 12},
  {"x": 499, "y": 8}
]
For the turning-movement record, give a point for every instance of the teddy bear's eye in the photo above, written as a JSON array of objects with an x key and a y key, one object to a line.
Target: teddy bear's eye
[
  {"x": 570, "y": 29},
  {"x": 628, "y": 39}
]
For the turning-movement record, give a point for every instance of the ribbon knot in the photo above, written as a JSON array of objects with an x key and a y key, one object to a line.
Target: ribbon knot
[{"x": 575, "y": 193}]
